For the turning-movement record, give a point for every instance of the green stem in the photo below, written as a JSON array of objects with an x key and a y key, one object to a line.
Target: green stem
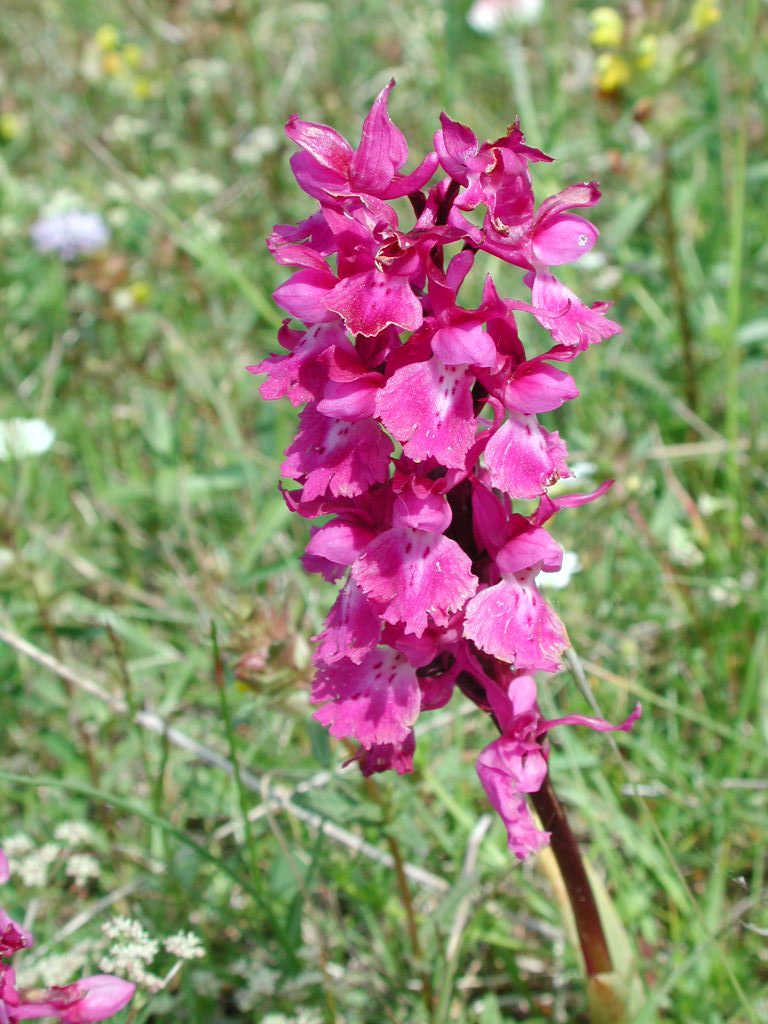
[
  {"x": 737, "y": 166},
  {"x": 677, "y": 280}
]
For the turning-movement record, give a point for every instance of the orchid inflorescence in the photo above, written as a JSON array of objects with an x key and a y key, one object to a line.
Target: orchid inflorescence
[
  {"x": 419, "y": 430},
  {"x": 95, "y": 998}
]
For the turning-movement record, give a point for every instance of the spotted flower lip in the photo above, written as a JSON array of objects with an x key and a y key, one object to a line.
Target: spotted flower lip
[{"x": 420, "y": 432}]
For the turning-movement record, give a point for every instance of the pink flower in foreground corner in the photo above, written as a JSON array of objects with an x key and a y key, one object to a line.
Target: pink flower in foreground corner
[
  {"x": 420, "y": 430},
  {"x": 87, "y": 1001}
]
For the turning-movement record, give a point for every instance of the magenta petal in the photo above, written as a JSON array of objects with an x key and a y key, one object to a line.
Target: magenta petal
[
  {"x": 382, "y": 150},
  {"x": 468, "y": 344},
  {"x": 508, "y": 768},
  {"x": 549, "y": 507},
  {"x": 385, "y": 757},
  {"x": 5, "y": 872},
  {"x": 561, "y": 312},
  {"x": 91, "y": 999},
  {"x": 374, "y": 300},
  {"x": 339, "y": 542},
  {"x": 584, "y": 194},
  {"x": 514, "y": 623},
  {"x": 423, "y": 508},
  {"x": 416, "y": 577},
  {"x": 598, "y": 724},
  {"x": 523, "y": 458},
  {"x": 12, "y": 937},
  {"x": 527, "y": 549},
  {"x": 352, "y": 628},
  {"x": 563, "y": 239},
  {"x": 428, "y": 407},
  {"x": 538, "y": 387},
  {"x": 403, "y": 185},
  {"x": 351, "y": 400},
  {"x": 305, "y": 295},
  {"x": 325, "y": 144},
  {"x": 314, "y": 179},
  {"x": 489, "y": 519},
  {"x": 336, "y": 456},
  {"x": 456, "y": 145},
  {"x": 301, "y": 375},
  {"x": 374, "y": 702}
]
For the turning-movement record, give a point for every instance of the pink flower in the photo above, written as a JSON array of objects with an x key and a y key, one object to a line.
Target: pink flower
[
  {"x": 87, "y": 1001},
  {"x": 420, "y": 431},
  {"x": 328, "y": 168}
]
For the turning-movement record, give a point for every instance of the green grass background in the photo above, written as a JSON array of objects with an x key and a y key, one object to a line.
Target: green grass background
[{"x": 156, "y": 514}]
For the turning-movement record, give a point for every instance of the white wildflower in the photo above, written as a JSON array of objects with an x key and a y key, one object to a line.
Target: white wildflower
[
  {"x": 82, "y": 867},
  {"x": 125, "y": 128},
  {"x": 261, "y": 982},
  {"x": 34, "y": 868},
  {"x": 206, "y": 983},
  {"x": 73, "y": 833},
  {"x": 488, "y": 16},
  {"x": 184, "y": 946},
  {"x": 20, "y": 438},
  {"x": 60, "y": 968},
  {"x": 132, "y": 949},
  {"x": 191, "y": 181},
  {"x": 17, "y": 845},
  {"x": 150, "y": 982},
  {"x": 122, "y": 300},
  {"x": 257, "y": 144},
  {"x": 681, "y": 546}
]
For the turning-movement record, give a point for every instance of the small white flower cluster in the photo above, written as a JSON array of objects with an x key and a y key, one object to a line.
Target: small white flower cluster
[
  {"x": 82, "y": 867},
  {"x": 191, "y": 181},
  {"x": 262, "y": 981},
  {"x": 34, "y": 867},
  {"x": 131, "y": 952},
  {"x": 184, "y": 946},
  {"x": 17, "y": 845},
  {"x": 132, "y": 949},
  {"x": 255, "y": 145},
  {"x": 73, "y": 833},
  {"x": 61, "y": 968}
]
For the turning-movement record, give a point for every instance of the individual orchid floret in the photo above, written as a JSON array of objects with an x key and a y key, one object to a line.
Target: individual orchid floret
[
  {"x": 96, "y": 998},
  {"x": 511, "y": 620},
  {"x": 329, "y": 168}
]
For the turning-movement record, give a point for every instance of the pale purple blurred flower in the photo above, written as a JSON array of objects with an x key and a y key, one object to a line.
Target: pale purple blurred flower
[{"x": 71, "y": 234}]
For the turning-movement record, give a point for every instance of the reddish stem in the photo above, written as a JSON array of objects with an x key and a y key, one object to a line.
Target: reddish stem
[{"x": 597, "y": 958}]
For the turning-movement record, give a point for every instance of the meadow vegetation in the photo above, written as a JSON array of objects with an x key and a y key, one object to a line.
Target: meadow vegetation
[{"x": 155, "y": 623}]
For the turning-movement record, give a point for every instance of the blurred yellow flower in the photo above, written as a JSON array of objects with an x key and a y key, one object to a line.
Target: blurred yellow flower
[
  {"x": 612, "y": 72},
  {"x": 106, "y": 37},
  {"x": 141, "y": 292},
  {"x": 112, "y": 64},
  {"x": 142, "y": 88},
  {"x": 10, "y": 126},
  {"x": 133, "y": 55},
  {"x": 647, "y": 51},
  {"x": 705, "y": 14},
  {"x": 607, "y": 27}
]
